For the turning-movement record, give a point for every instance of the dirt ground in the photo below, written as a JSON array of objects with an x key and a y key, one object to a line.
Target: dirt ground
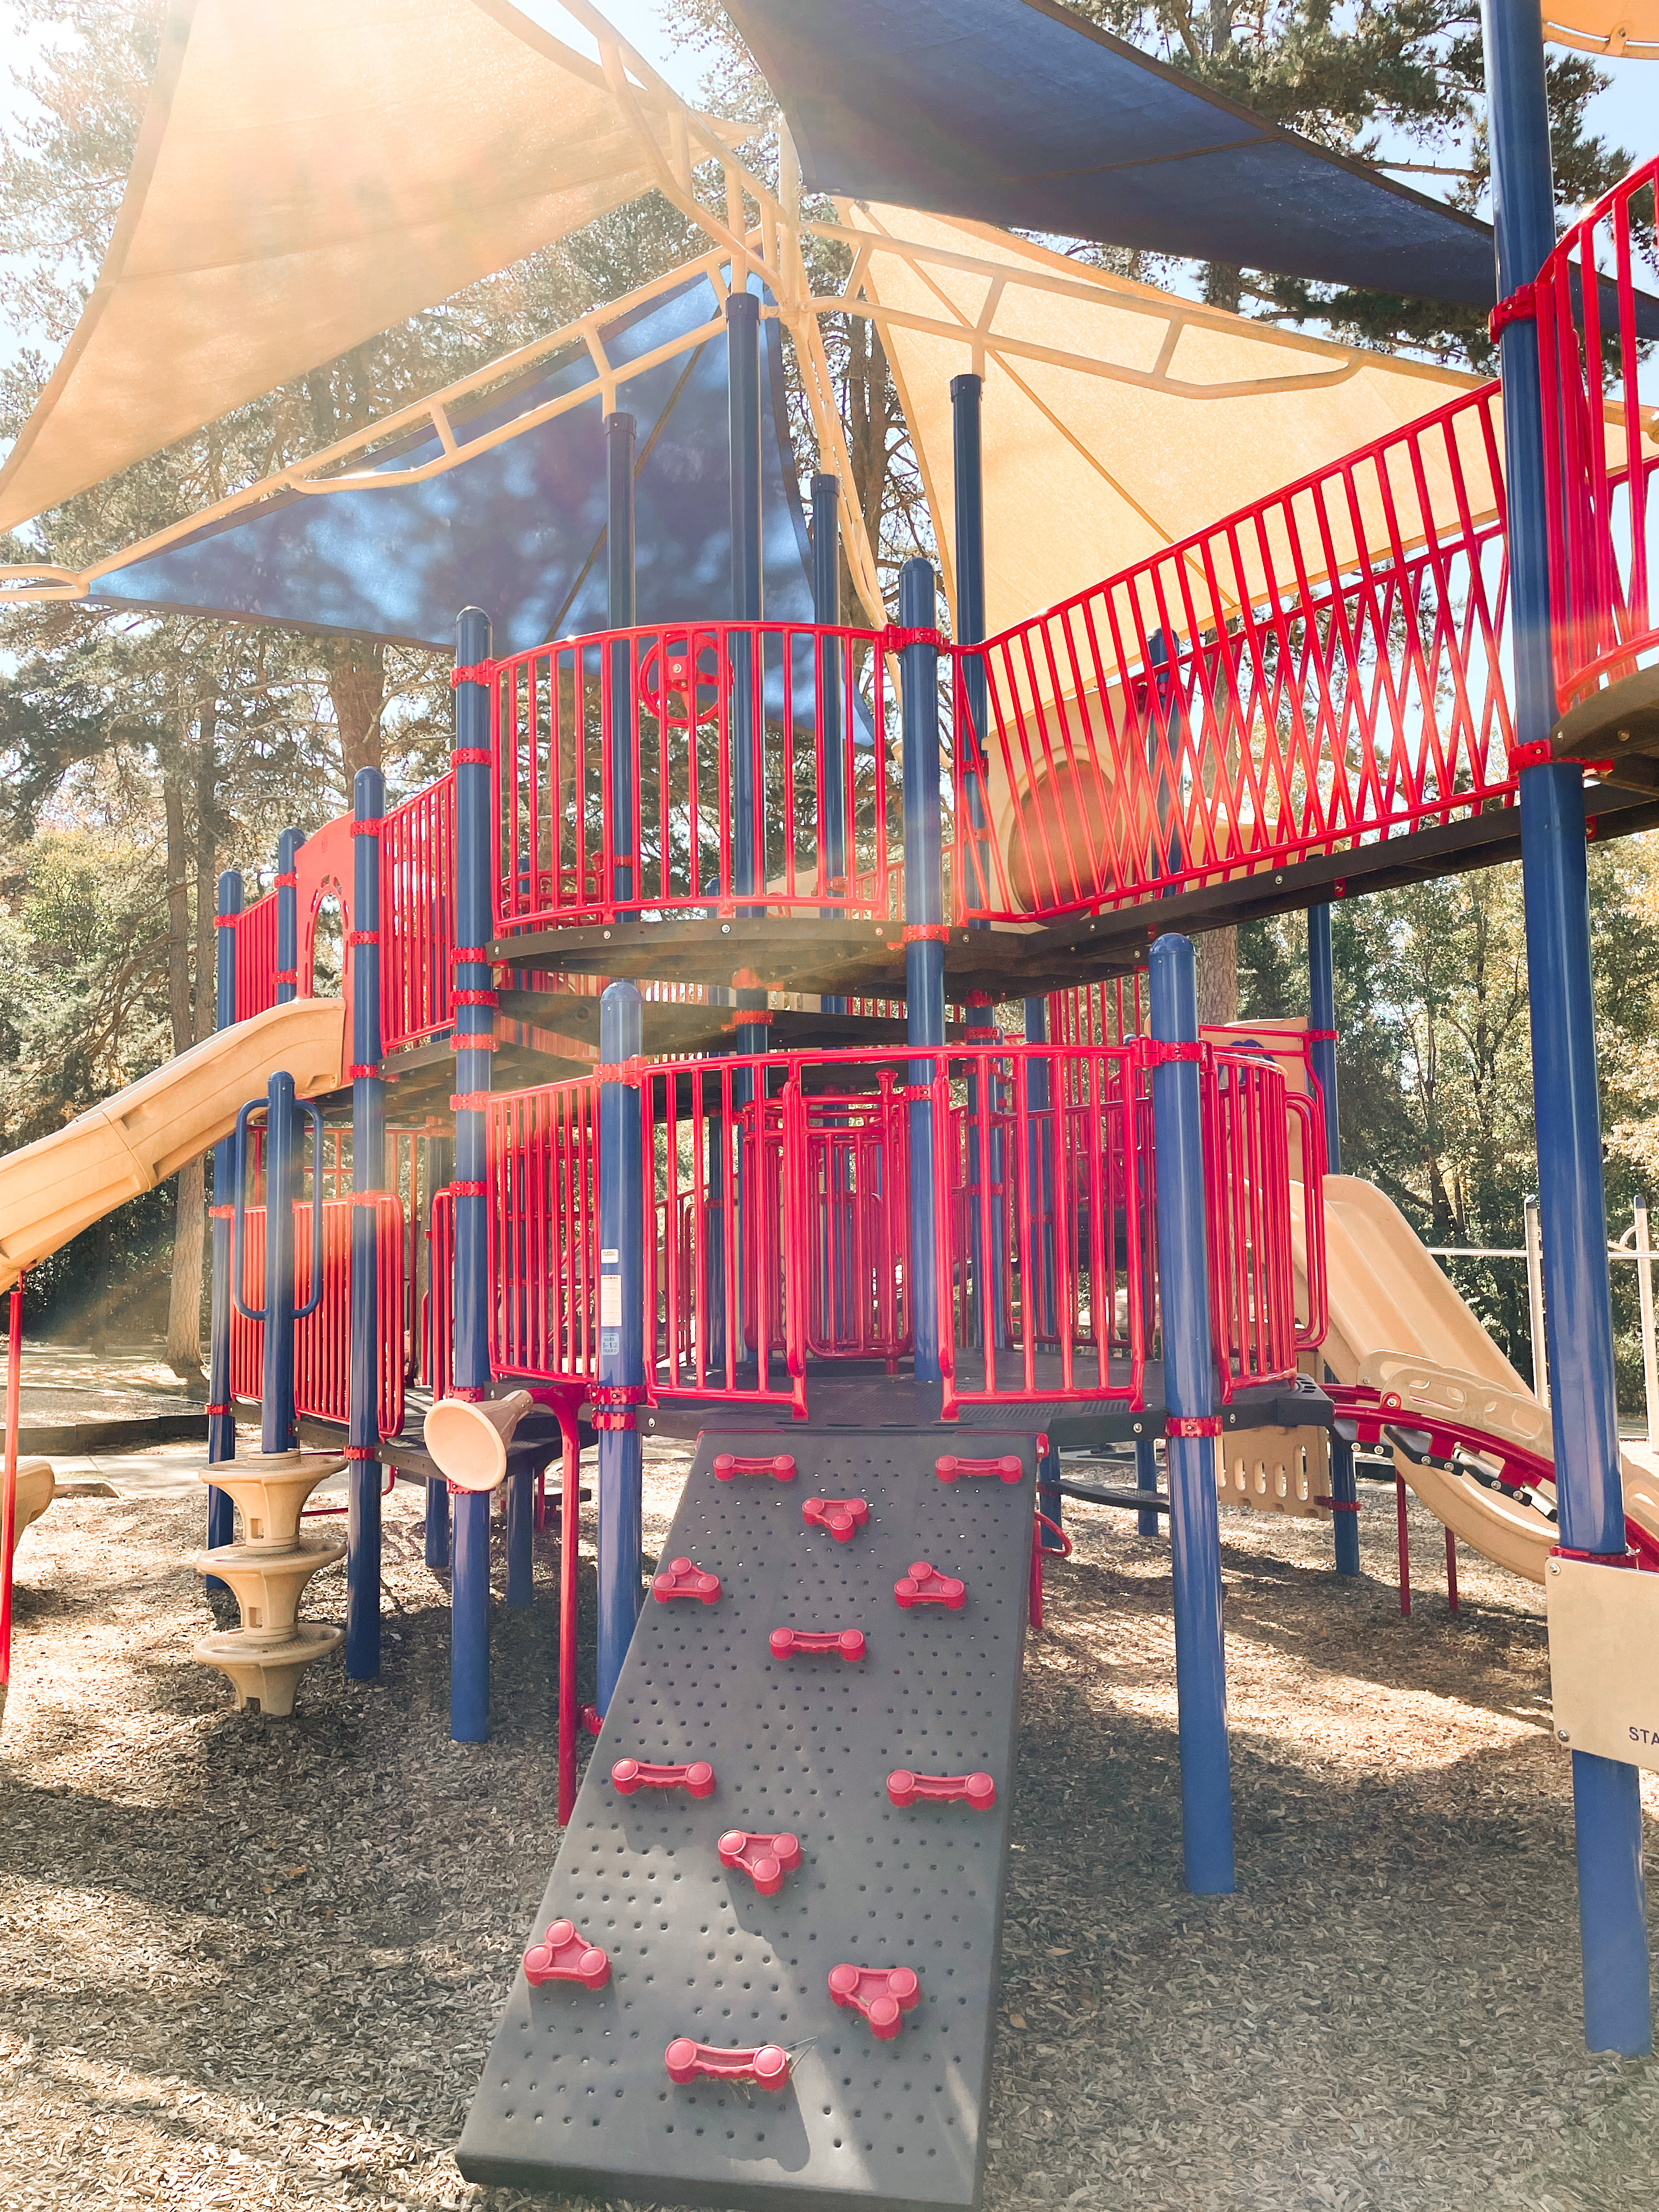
[{"x": 252, "y": 1964}]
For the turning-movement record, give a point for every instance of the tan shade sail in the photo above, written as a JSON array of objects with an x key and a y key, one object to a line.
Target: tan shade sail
[
  {"x": 1605, "y": 26},
  {"x": 309, "y": 173},
  {"x": 1117, "y": 419}
]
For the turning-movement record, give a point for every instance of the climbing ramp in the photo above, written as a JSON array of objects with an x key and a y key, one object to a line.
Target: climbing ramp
[{"x": 693, "y": 1914}]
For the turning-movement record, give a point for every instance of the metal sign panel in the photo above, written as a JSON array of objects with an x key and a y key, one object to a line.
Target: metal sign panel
[
  {"x": 575, "y": 2094},
  {"x": 1604, "y": 1659}
]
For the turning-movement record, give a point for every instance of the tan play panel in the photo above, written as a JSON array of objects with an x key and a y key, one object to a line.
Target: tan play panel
[{"x": 1604, "y": 1660}]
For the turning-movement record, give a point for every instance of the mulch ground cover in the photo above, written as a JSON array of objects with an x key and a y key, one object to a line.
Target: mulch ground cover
[{"x": 249, "y": 1963}]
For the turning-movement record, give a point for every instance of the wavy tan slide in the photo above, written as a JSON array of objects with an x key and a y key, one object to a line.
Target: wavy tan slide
[
  {"x": 53, "y": 1188},
  {"x": 1397, "y": 1321}
]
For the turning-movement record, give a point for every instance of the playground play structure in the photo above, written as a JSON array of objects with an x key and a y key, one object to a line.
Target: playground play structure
[{"x": 665, "y": 1093}]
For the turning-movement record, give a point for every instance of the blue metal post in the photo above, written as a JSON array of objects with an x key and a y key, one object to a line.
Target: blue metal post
[
  {"x": 1207, "y": 1819},
  {"x": 362, "y": 1636},
  {"x": 622, "y": 1322},
  {"x": 287, "y": 916},
  {"x": 469, "y": 1654},
  {"x": 743, "y": 375},
  {"x": 278, "y": 1427},
  {"x": 441, "y": 1163},
  {"x": 1040, "y": 1167},
  {"x": 826, "y": 613},
  {"x": 1322, "y": 1021},
  {"x": 1607, "y": 1806},
  {"x": 1149, "y": 1521},
  {"x": 924, "y": 938},
  {"x": 968, "y": 468},
  {"x": 619, "y": 443},
  {"x": 222, "y": 1419}
]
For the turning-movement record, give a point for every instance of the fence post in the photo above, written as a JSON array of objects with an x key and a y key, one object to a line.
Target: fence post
[
  {"x": 1148, "y": 1521},
  {"x": 1321, "y": 1025},
  {"x": 1207, "y": 1819},
  {"x": 826, "y": 613},
  {"x": 1607, "y": 1803},
  {"x": 1645, "y": 1293},
  {"x": 279, "y": 1428},
  {"x": 222, "y": 1419},
  {"x": 619, "y": 444},
  {"x": 622, "y": 1320},
  {"x": 362, "y": 1637},
  {"x": 924, "y": 940},
  {"x": 1541, "y": 1356},
  {"x": 968, "y": 470},
  {"x": 1040, "y": 1170},
  {"x": 469, "y": 1651},
  {"x": 287, "y": 916}
]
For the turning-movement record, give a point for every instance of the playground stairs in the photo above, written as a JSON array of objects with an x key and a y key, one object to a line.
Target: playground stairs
[
  {"x": 267, "y": 1572},
  {"x": 765, "y": 1970}
]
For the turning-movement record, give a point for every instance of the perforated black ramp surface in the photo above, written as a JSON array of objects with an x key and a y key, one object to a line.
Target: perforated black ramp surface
[{"x": 575, "y": 2094}]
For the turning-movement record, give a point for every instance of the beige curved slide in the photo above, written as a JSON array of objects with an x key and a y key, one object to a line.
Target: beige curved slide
[
  {"x": 1396, "y": 1322},
  {"x": 61, "y": 1184}
]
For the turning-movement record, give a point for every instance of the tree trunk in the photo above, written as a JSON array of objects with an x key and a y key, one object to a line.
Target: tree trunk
[
  {"x": 357, "y": 685},
  {"x": 1217, "y": 975},
  {"x": 185, "y": 1295}
]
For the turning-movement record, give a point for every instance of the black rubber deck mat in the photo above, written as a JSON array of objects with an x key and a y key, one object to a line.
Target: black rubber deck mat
[{"x": 575, "y": 2093}]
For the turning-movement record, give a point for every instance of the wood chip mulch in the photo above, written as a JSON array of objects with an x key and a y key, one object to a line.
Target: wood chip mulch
[{"x": 250, "y": 1964}]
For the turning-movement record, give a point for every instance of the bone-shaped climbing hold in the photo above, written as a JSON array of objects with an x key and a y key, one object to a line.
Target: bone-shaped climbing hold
[
  {"x": 977, "y": 1790},
  {"x": 766, "y": 2066},
  {"x": 845, "y": 1643},
  {"x": 697, "y": 1779}
]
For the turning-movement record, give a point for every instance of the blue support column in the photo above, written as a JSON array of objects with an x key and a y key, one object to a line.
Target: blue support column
[
  {"x": 362, "y": 1636},
  {"x": 279, "y": 1429},
  {"x": 1607, "y": 1806},
  {"x": 222, "y": 1419},
  {"x": 1206, "y": 1818},
  {"x": 288, "y": 917},
  {"x": 924, "y": 939},
  {"x": 742, "y": 379},
  {"x": 619, "y": 450},
  {"x": 968, "y": 468},
  {"x": 826, "y": 613},
  {"x": 440, "y": 1166},
  {"x": 468, "y": 1655},
  {"x": 1149, "y": 1522},
  {"x": 1322, "y": 1021},
  {"x": 622, "y": 1321},
  {"x": 1040, "y": 1169}
]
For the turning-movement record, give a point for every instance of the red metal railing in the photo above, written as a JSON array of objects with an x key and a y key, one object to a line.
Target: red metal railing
[
  {"x": 1314, "y": 672},
  {"x": 322, "y": 1342},
  {"x": 256, "y": 958},
  {"x": 757, "y": 775},
  {"x": 1247, "y": 1174},
  {"x": 438, "y": 1339},
  {"x": 417, "y": 916},
  {"x": 1599, "y": 449},
  {"x": 544, "y": 1230}
]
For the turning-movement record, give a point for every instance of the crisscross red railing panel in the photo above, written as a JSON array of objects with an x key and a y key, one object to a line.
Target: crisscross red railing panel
[
  {"x": 322, "y": 1342},
  {"x": 1599, "y": 449},
  {"x": 766, "y": 774},
  {"x": 256, "y": 958},
  {"x": 1317, "y": 671}
]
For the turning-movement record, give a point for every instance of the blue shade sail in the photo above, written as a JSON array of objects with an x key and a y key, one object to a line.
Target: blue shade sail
[
  {"x": 1017, "y": 113},
  {"x": 519, "y": 530}
]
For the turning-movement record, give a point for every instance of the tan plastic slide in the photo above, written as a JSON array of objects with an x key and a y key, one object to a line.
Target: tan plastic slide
[
  {"x": 1396, "y": 1322},
  {"x": 53, "y": 1188}
]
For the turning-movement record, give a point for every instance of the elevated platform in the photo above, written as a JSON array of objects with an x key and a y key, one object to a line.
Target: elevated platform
[{"x": 575, "y": 2095}]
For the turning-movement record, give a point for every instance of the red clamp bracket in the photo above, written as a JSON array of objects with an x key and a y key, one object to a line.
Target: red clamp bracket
[
  {"x": 563, "y": 1955},
  {"x": 1537, "y": 752},
  {"x": 895, "y": 636},
  {"x": 287, "y": 975},
  {"x": 843, "y": 1517},
  {"x": 925, "y": 1585},
  {"x": 474, "y": 1041},
  {"x": 1193, "y": 1424},
  {"x": 882, "y": 1994},
  {"x": 286, "y": 879},
  {"x": 1162, "y": 1052},
  {"x": 950, "y": 1469},
  {"x": 362, "y": 1067},
  {"x": 846, "y": 1643},
  {"x": 680, "y": 1578},
  {"x": 362, "y": 937},
  {"x": 766, "y": 2066},
  {"x": 475, "y": 998},
  {"x": 926, "y": 932},
  {"x": 1521, "y": 306},
  {"x": 697, "y": 1780},
  {"x": 210, "y": 1411},
  {"x": 480, "y": 952},
  {"x": 1337, "y": 1505},
  {"x": 221, "y": 1213},
  {"x": 610, "y": 1406},
  {"x": 469, "y": 1102},
  {"x": 619, "y": 1071},
  {"x": 470, "y": 757},
  {"x": 368, "y": 829},
  {"x": 358, "y": 1452},
  {"x": 728, "y": 1464},
  {"x": 226, "y": 920},
  {"x": 471, "y": 672},
  {"x": 917, "y": 1094},
  {"x": 469, "y": 1190},
  {"x": 978, "y": 1791},
  {"x": 764, "y": 1859}
]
